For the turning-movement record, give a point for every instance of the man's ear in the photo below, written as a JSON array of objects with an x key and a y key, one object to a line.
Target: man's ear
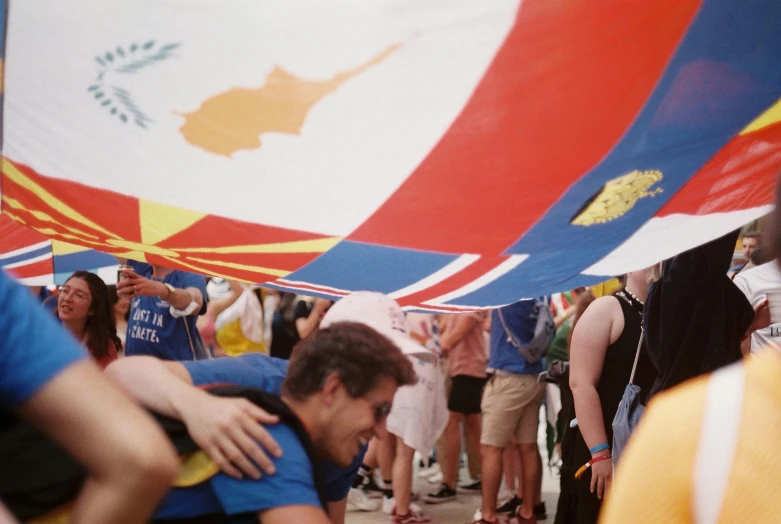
[{"x": 332, "y": 388}]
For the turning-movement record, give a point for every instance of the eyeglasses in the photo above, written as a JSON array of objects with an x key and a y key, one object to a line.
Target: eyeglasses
[
  {"x": 381, "y": 411},
  {"x": 67, "y": 290}
]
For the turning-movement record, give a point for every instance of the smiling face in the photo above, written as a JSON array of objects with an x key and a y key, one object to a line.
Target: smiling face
[
  {"x": 352, "y": 422},
  {"x": 74, "y": 301}
]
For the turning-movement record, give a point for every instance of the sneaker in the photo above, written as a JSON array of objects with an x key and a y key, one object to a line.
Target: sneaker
[
  {"x": 510, "y": 506},
  {"x": 431, "y": 461},
  {"x": 415, "y": 516},
  {"x": 436, "y": 479},
  {"x": 474, "y": 487},
  {"x": 388, "y": 505},
  {"x": 539, "y": 511},
  {"x": 359, "y": 500},
  {"x": 443, "y": 494},
  {"x": 428, "y": 472},
  {"x": 371, "y": 488}
]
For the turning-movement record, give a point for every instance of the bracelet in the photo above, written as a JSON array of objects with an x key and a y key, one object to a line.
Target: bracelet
[
  {"x": 601, "y": 447},
  {"x": 579, "y": 473}
]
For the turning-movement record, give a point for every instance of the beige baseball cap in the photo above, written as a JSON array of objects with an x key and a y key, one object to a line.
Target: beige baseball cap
[{"x": 380, "y": 313}]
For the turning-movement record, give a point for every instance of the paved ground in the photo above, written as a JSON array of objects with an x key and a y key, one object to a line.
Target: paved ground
[{"x": 462, "y": 509}]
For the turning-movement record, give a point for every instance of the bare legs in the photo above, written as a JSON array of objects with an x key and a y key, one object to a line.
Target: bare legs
[{"x": 402, "y": 477}]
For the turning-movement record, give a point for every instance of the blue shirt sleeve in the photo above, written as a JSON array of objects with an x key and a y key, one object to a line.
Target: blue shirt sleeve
[
  {"x": 140, "y": 268},
  {"x": 292, "y": 485},
  {"x": 33, "y": 348},
  {"x": 252, "y": 370}
]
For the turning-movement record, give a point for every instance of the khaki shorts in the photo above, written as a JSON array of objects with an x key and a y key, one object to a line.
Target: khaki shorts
[{"x": 511, "y": 408}]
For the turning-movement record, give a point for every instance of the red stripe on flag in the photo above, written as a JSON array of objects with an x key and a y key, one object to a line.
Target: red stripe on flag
[
  {"x": 741, "y": 175},
  {"x": 456, "y": 281},
  {"x": 115, "y": 212},
  {"x": 568, "y": 81},
  {"x": 14, "y": 235},
  {"x": 41, "y": 268}
]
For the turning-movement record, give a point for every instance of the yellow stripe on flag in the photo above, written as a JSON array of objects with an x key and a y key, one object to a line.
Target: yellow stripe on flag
[
  {"x": 205, "y": 271},
  {"x": 20, "y": 179},
  {"x": 63, "y": 248},
  {"x": 243, "y": 267},
  {"x": 319, "y": 245},
  {"x": 768, "y": 118}
]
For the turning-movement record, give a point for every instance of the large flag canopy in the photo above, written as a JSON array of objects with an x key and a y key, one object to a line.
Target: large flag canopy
[{"x": 453, "y": 154}]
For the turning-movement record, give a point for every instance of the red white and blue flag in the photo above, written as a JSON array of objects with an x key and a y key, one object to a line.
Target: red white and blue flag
[
  {"x": 454, "y": 154},
  {"x": 36, "y": 260}
]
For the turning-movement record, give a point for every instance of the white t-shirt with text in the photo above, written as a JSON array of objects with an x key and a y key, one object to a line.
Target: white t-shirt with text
[{"x": 756, "y": 283}]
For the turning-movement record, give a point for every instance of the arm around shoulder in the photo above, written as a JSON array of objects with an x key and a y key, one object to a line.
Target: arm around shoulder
[{"x": 129, "y": 460}]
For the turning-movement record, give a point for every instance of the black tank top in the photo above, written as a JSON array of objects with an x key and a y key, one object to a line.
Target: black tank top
[{"x": 616, "y": 370}]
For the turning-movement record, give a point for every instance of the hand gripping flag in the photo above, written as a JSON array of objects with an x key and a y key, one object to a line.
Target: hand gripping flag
[{"x": 454, "y": 155}]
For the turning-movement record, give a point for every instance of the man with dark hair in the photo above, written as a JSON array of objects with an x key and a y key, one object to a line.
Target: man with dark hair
[
  {"x": 339, "y": 383},
  {"x": 751, "y": 243}
]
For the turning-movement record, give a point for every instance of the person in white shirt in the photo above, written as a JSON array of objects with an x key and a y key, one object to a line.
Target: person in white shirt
[{"x": 760, "y": 284}]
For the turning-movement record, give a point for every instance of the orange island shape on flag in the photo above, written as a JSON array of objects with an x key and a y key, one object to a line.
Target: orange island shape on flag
[{"x": 234, "y": 120}]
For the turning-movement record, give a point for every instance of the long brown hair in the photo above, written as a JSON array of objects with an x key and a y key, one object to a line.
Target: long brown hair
[{"x": 100, "y": 327}]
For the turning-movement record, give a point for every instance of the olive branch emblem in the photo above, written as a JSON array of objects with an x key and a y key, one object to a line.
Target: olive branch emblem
[{"x": 117, "y": 100}]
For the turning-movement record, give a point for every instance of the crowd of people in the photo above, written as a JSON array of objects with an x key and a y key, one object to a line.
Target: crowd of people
[{"x": 294, "y": 408}]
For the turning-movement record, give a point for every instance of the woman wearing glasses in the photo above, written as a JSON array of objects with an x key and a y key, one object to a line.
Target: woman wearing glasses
[{"x": 83, "y": 307}]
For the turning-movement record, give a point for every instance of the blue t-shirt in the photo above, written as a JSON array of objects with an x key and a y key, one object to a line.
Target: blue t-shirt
[
  {"x": 151, "y": 330},
  {"x": 292, "y": 485},
  {"x": 521, "y": 321},
  {"x": 252, "y": 370},
  {"x": 34, "y": 347},
  {"x": 258, "y": 371}
]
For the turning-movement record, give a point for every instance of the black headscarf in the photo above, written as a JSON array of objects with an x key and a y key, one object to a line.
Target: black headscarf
[{"x": 695, "y": 316}]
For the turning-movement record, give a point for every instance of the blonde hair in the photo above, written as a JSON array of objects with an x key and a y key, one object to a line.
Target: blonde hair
[{"x": 654, "y": 272}]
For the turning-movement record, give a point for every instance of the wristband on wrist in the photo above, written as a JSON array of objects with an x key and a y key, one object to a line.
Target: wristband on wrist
[
  {"x": 579, "y": 473},
  {"x": 600, "y": 447}
]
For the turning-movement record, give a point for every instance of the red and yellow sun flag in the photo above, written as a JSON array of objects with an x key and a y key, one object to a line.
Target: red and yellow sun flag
[{"x": 156, "y": 233}]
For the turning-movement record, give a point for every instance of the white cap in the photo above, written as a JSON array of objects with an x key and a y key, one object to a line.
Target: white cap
[{"x": 380, "y": 313}]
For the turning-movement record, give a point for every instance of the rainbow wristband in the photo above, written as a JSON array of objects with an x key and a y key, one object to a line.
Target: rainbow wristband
[
  {"x": 579, "y": 473},
  {"x": 601, "y": 447}
]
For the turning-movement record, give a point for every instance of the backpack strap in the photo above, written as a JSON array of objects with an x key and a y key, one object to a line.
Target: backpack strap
[
  {"x": 718, "y": 442},
  {"x": 37, "y": 476},
  {"x": 275, "y": 406}
]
